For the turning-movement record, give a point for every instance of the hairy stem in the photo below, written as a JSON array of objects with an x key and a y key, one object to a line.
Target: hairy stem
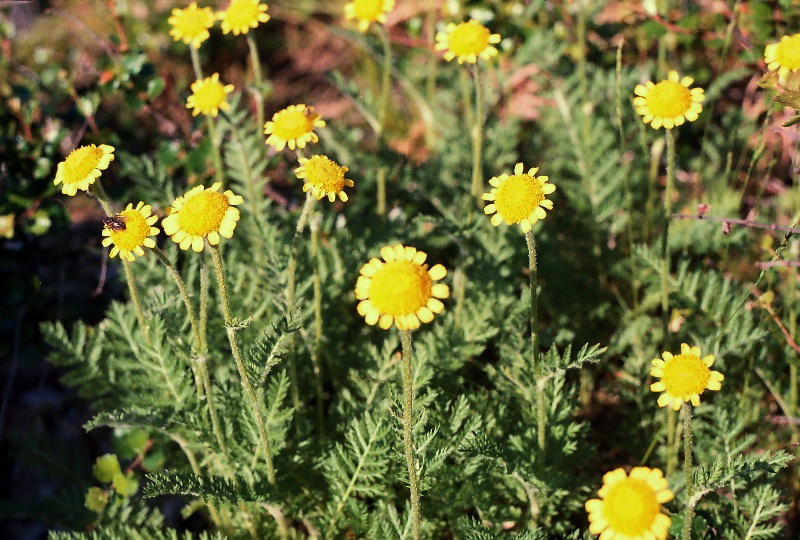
[
  {"x": 408, "y": 437},
  {"x": 665, "y": 235},
  {"x": 386, "y": 77},
  {"x": 477, "y": 139},
  {"x": 210, "y": 125},
  {"x": 258, "y": 80},
  {"x": 137, "y": 305},
  {"x": 237, "y": 356},
  {"x": 317, "y": 352},
  {"x": 381, "y": 194},
  {"x": 291, "y": 269},
  {"x": 686, "y": 412},
  {"x": 541, "y": 417}
]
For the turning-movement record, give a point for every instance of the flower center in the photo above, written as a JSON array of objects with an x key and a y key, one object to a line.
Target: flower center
[
  {"x": 293, "y": 124},
  {"x": 685, "y": 374},
  {"x": 517, "y": 197},
  {"x": 630, "y": 507},
  {"x": 400, "y": 288},
  {"x": 468, "y": 38},
  {"x": 324, "y": 174},
  {"x": 787, "y": 53},
  {"x": 202, "y": 213},
  {"x": 209, "y": 95},
  {"x": 669, "y": 99},
  {"x": 192, "y": 21},
  {"x": 368, "y": 10},
  {"x": 242, "y": 13},
  {"x": 81, "y": 162},
  {"x": 135, "y": 233}
]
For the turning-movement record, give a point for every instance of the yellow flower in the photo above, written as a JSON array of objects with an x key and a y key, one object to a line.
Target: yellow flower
[
  {"x": 519, "y": 198},
  {"x": 191, "y": 25},
  {"x": 684, "y": 377},
  {"x": 467, "y": 41},
  {"x": 202, "y": 213},
  {"x": 130, "y": 231},
  {"x": 209, "y": 96},
  {"x": 784, "y": 55},
  {"x": 630, "y": 506},
  {"x": 368, "y": 12},
  {"x": 324, "y": 177},
  {"x": 669, "y": 103},
  {"x": 242, "y": 15},
  {"x": 401, "y": 290},
  {"x": 293, "y": 126},
  {"x": 82, "y": 167}
]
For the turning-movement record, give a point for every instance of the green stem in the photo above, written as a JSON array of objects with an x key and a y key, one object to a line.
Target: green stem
[
  {"x": 317, "y": 352},
  {"x": 408, "y": 437},
  {"x": 477, "y": 139},
  {"x": 381, "y": 179},
  {"x": 137, "y": 305},
  {"x": 291, "y": 269},
  {"x": 258, "y": 80},
  {"x": 386, "y": 77},
  {"x": 671, "y": 449},
  {"x": 430, "y": 29},
  {"x": 203, "y": 303},
  {"x": 212, "y": 132},
  {"x": 198, "y": 71},
  {"x": 237, "y": 356},
  {"x": 665, "y": 235},
  {"x": 541, "y": 417},
  {"x": 686, "y": 412}
]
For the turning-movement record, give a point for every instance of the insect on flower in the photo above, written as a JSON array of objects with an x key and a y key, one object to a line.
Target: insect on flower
[{"x": 115, "y": 223}]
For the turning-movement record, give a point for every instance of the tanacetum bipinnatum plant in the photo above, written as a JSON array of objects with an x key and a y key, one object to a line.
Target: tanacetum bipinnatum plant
[{"x": 392, "y": 270}]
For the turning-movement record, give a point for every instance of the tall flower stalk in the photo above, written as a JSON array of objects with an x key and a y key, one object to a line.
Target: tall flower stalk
[
  {"x": 686, "y": 414},
  {"x": 210, "y": 123},
  {"x": 665, "y": 255},
  {"x": 230, "y": 330},
  {"x": 477, "y": 136},
  {"x": 316, "y": 353},
  {"x": 408, "y": 429},
  {"x": 541, "y": 417}
]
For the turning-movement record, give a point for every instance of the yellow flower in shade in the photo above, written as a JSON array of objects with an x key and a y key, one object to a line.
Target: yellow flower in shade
[
  {"x": 242, "y": 15},
  {"x": 191, "y": 25},
  {"x": 684, "y": 377},
  {"x": 293, "y": 127},
  {"x": 130, "y": 231},
  {"x": 367, "y": 12},
  {"x": 400, "y": 289},
  {"x": 784, "y": 56},
  {"x": 630, "y": 506},
  {"x": 209, "y": 96},
  {"x": 202, "y": 213},
  {"x": 467, "y": 41},
  {"x": 82, "y": 167},
  {"x": 669, "y": 103},
  {"x": 519, "y": 198},
  {"x": 323, "y": 177}
]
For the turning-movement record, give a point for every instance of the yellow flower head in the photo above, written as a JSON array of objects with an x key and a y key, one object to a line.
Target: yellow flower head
[
  {"x": 467, "y": 41},
  {"x": 400, "y": 289},
  {"x": 242, "y": 15},
  {"x": 669, "y": 103},
  {"x": 324, "y": 177},
  {"x": 202, "y": 213},
  {"x": 191, "y": 25},
  {"x": 82, "y": 167},
  {"x": 684, "y": 377},
  {"x": 130, "y": 231},
  {"x": 368, "y": 12},
  {"x": 630, "y": 506},
  {"x": 209, "y": 96},
  {"x": 519, "y": 198},
  {"x": 783, "y": 56},
  {"x": 293, "y": 127}
]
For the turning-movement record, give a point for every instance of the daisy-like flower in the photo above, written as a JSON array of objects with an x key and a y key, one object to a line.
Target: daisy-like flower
[
  {"x": 400, "y": 289},
  {"x": 191, "y": 25},
  {"x": 669, "y": 103},
  {"x": 784, "y": 56},
  {"x": 130, "y": 231},
  {"x": 202, "y": 213},
  {"x": 630, "y": 506},
  {"x": 519, "y": 198},
  {"x": 467, "y": 41},
  {"x": 323, "y": 177},
  {"x": 367, "y": 12},
  {"x": 293, "y": 127},
  {"x": 209, "y": 96},
  {"x": 242, "y": 15},
  {"x": 684, "y": 377},
  {"x": 82, "y": 167}
]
